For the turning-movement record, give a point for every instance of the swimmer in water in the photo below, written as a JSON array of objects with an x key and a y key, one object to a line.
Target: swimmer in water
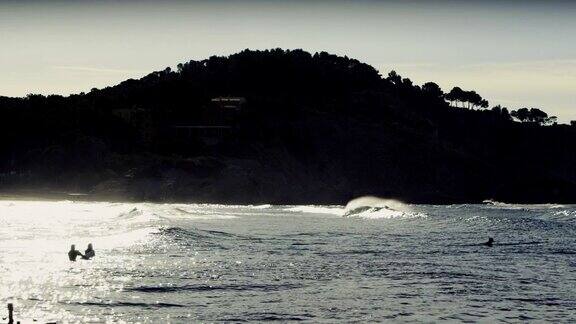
[
  {"x": 89, "y": 253},
  {"x": 73, "y": 253},
  {"x": 489, "y": 243}
]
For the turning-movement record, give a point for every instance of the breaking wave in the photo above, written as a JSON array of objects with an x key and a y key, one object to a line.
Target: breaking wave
[{"x": 370, "y": 207}]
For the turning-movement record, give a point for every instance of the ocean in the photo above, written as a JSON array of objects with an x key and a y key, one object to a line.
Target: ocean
[{"x": 180, "y": 263}]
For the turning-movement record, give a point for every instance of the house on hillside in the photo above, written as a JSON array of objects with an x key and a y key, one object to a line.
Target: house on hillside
[
  {"x": 225, "y": 110},
  {"x": 234, "y": 103},
  {"x": 218, "y": 120}
]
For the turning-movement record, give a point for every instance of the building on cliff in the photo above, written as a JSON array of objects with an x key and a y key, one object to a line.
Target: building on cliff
[{"x": 217, "y": 120}]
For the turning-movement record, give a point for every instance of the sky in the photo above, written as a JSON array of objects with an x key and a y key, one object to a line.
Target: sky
[{"x": 514, "y": 53}]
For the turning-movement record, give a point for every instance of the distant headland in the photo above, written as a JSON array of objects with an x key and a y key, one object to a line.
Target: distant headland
[{"x": 285, "y": 127}]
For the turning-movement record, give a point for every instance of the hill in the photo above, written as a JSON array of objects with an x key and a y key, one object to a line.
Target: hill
[{"x": 282, "y": 126}]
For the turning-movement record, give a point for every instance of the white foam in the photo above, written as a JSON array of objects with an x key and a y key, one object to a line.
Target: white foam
[
  {"x": 567, "y": 213},
  {"x": 372, "y": 201},
  {"x": 334, "y": 210},
  {"x": 370, "y": 207},
  {"x": 503, "y": 205},
  {"x": 383, "y": 213},
  {"x": 265, "y": 206}
]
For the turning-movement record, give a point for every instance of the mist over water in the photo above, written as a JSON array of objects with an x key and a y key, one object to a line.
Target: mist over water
[{"x": 181, "y": 262}]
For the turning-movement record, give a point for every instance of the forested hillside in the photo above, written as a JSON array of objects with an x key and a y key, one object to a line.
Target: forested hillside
[{"x": 284, "y": 127}]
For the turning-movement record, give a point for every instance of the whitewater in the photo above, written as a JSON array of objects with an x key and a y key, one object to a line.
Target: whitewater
[{"x": 183, "y": 263}]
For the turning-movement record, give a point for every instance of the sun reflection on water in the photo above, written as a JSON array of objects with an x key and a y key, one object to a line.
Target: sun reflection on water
[{"x": 35, "y": 238}]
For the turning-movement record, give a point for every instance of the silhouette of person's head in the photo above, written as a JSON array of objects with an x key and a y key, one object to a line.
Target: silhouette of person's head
[
  {"x": 490, "y": 242},
  {"x": 73, "y": 247},
  {"x": 90, "y": 246}
]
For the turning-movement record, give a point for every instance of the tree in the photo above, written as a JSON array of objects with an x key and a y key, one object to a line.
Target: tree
[
  {"x": 502, "y": 112},
  {"x": 506, "y": 114},
  {"x": 470, "y": 98},
  {"x": 454, "y": 96},
  {"x": 433, "y": 90},
  {"x": 475, "y": 100},
  {"x": 552, "y": 120},
  {"x": 533, "y": 115},
  {"x": 522, "y": 114},
  {"x": 394, "y": 77}
]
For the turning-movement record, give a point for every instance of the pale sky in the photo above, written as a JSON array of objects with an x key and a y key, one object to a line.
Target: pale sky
[{"x": 518, "y": 54}]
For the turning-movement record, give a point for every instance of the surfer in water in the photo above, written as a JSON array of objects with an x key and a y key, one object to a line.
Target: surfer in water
[
  {"x": 73, "y": 253},
  {"x": 89, "y": 253},
  {"x": 489, "y": 243}
]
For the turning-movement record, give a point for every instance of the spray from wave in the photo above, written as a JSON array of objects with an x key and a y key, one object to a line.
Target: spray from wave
[{"x": 375, "y": 207}]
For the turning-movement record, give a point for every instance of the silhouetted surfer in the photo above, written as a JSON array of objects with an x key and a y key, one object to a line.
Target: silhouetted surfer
[
  {"x": 489, "y": 243},
  {"x": 89, "y": 253},
  {"x": 73, "y": 253}
]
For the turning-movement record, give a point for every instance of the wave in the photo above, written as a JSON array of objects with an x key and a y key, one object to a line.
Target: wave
[
  {"x": 215, "y": 287},
  {"x": 504, "y": 205},
  {"x": 199, "y": 211},
  {"x": 373, "y": 201},
  {"x": 370, "y": 207},
  {"x": 566, "y": 213},
  {"x": 136, "y": 215},
  {"x": 267, "y": 317},
  {"x": 178, "y": 233},
  {"x": 206, "y": 238},
  {"x": 311, "y": 209},
  {"x": 381, "y": 213},
  {"x": 124, "y": 304},
  {"x": 265, "y": 206}
]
